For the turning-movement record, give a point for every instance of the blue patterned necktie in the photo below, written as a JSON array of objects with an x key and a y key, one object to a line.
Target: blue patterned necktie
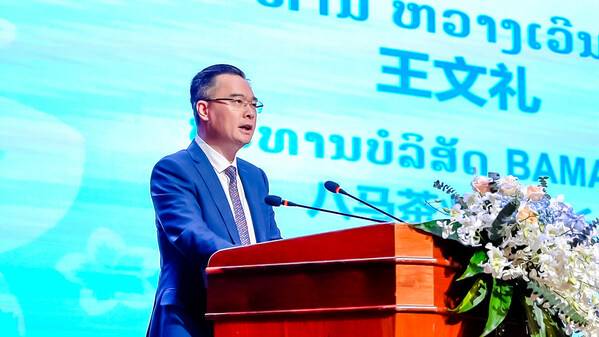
[{"x": 240, "y": 221}]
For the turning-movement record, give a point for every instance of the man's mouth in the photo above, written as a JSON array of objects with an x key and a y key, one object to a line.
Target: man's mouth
[{"x": 247, "y": 127}]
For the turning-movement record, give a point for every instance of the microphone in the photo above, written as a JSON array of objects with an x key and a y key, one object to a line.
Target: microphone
[
  {"x": 276, "y": 201},
  {"x": 333, "y": 187}
]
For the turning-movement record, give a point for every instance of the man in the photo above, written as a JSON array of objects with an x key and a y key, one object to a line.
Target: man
[{"x": 207, "y": 199}]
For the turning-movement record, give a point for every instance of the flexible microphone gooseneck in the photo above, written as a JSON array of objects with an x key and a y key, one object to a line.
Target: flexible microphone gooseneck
[
  {"x": 333, "y": 187},
  {"x": 276, "y": 201}
]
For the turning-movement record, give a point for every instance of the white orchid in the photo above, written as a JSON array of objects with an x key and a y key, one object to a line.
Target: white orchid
[
  {"x": 497, "y": 262},
  {"x": 447, "y": 228},
  {"x": 541, "y": 242}
]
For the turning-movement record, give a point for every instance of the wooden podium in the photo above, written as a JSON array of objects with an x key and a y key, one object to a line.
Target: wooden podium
[{"x": 380, "y": 280}]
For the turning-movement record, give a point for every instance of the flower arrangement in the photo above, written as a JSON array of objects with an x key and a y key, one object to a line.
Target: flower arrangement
[{"x": 529, "y": 248}]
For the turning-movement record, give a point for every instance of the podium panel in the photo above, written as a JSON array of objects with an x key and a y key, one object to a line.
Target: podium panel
[{"x": 378, "y": 280}]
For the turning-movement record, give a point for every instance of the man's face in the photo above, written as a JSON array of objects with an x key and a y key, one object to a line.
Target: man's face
[{"x": 226, "y": 125}]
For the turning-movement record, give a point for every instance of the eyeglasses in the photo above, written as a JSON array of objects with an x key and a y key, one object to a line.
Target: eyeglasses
[{"x": 238, "y": 103}]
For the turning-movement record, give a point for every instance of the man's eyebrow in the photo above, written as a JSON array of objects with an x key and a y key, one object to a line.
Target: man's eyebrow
[{"x": 242, "y": 95}]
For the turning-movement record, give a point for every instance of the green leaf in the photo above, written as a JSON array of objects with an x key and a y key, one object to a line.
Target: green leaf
[
  {"x": 499, "y": 304},
  {"x": 556, "y": 303},
  {"x": 553, "y": 329},
  {"x": 431, "y": 227},
  {"x": 474, "y": 267},
  {"x": 475, "y": 295},
  {"x": 501, "y": 219},
  {"x": 534, "y": 318}
]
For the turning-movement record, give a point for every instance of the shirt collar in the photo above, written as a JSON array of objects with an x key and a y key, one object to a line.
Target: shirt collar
[{"x": 217, "y": 160}]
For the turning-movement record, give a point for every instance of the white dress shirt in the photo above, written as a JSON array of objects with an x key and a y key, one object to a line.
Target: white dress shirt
[{"x": 220, "y": 163}]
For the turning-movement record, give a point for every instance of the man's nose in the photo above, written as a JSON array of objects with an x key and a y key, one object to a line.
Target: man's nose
[{"x": 249, "y": 110}]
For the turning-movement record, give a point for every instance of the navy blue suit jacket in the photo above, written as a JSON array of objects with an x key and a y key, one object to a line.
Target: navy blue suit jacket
[{"x": 194, "y": 220}]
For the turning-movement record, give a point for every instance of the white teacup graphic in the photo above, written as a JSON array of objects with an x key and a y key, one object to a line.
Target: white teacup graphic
[{"x": 41, "y": 165}]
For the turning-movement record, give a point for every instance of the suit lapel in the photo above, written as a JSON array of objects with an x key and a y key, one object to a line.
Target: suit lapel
[
  {"x": 253, "y": 200},
  {"x": 206, "y": 172}
]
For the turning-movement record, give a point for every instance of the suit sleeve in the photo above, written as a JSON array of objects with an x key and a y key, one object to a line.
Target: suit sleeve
[
  {"x": 178, "y": 213},
  {"x": 273, "y": 231}
]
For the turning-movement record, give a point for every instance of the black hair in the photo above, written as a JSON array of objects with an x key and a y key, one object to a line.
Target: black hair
[{"x": 204, "y": 80}]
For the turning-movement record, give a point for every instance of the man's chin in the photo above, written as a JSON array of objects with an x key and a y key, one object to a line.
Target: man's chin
[
  {"x": 244, "y": 141},
  {"x": 246, "y": 138}
]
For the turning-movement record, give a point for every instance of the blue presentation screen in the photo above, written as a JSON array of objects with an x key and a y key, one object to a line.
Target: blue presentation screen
[{"x": 383, "y": 97}]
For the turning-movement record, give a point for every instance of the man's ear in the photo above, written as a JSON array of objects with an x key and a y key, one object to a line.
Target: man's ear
[{"x": 202, "y": 110}]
